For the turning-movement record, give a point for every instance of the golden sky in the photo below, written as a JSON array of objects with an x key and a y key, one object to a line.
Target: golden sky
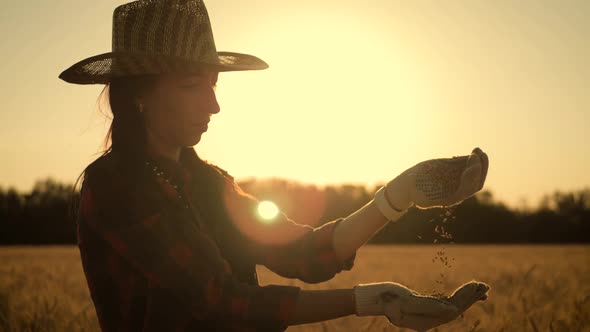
[{"x": 356, "y": 92}]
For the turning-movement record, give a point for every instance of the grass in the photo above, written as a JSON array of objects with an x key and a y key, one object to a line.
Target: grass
[{"x": 534, "y": 288}]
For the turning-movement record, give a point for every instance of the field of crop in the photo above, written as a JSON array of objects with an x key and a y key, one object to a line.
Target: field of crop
[{"x": 534, "y": 288}]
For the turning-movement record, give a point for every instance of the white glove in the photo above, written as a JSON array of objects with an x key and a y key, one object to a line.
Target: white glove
[
  {"x": 422, "y": 315},
  {"x": 442, "y": 182},
  {"x": 370, "y": 300}
]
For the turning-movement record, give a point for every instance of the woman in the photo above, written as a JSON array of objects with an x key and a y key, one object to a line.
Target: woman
[{"x": 168, "y": 241}]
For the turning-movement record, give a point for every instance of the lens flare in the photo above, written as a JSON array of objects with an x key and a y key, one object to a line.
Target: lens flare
[{"x": 267, "y": 210}]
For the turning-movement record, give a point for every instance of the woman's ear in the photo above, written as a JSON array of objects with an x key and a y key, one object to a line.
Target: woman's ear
[
  {"x": 139, "y": 104},
  {"x": 143, "y": 94}
]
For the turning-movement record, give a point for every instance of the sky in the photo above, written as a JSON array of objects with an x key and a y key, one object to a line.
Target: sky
[{"x": 356, "y": 91}]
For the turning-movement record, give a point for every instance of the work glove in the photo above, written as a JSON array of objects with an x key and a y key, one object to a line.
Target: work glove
[
  {"x": 371, "y": 300},
  {"x": 441, "y": 182},
  {"x": 419, "y": 312}
]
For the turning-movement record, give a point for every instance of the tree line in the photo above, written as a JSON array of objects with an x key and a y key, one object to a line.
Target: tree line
[{"x": 44, "y": 215}]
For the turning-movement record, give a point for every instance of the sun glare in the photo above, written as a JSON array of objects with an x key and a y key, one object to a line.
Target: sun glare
[{"x": 267, "y": 210}]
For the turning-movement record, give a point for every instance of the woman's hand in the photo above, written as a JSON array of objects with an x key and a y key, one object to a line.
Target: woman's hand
[
  {"x": 420, "y": 312},
  {"x": 383, "y": 298},
  {"x": 441, "y": 182}
]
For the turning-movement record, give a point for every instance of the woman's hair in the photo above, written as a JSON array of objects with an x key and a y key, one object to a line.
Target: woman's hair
[
  {"x": 126, "y": 137},
  {"x": 127, "y": 133}
]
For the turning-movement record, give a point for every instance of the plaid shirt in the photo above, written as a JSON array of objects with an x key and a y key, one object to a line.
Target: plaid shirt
[{"x": 156, "y": 262}]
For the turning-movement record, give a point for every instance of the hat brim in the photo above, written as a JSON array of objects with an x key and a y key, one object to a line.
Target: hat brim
[{"x": 101, "y": 68}]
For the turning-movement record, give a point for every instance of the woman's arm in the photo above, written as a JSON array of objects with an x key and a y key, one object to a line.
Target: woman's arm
[
  {"x": 287, "y": 248},
  {"x": 300, "y": 251},
  {"x": 356, "y": 229},
  {"x": 321, "y": 305}
]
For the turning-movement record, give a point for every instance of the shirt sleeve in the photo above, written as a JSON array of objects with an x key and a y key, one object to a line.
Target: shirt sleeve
[
  {"x": 287, "y": 248},
  {"x": 175, "y": 256}
]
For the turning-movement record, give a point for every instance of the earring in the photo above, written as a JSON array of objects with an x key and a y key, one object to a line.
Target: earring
[{"x": 140, "y": 108}]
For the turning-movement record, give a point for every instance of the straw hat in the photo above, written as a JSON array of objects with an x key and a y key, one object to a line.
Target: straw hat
[{"x": 155, "y": 36}]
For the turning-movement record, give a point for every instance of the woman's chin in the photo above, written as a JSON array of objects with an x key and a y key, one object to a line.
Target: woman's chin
[{"x": 194, "y": 140}]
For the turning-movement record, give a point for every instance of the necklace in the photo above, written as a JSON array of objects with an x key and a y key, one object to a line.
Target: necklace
[
  {"x": 187, "y": 205},
  {"x": 159, "y": 173}
]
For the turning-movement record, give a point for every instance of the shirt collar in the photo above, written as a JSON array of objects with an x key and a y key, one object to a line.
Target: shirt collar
[{"x": 180, "y": 171}]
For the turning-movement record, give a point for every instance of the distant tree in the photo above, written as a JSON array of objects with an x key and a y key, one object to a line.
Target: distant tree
[{"x": 42, "y": 215}]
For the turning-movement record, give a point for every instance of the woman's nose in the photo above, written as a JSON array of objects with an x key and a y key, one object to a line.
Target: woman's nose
[{"x": 214, "y": 106}]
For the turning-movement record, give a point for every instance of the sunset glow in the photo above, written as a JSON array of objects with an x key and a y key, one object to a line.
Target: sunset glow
[{"x": 356, "y": 92}]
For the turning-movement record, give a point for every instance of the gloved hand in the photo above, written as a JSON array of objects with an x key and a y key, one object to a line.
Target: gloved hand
[
  {"x": 420, "y": 316},
  {"x": 370, "y": 300},
  {"x": 441, "y": 182}
]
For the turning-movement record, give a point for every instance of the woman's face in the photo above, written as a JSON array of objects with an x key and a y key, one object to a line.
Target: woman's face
[{"x": 179, "y": 106}]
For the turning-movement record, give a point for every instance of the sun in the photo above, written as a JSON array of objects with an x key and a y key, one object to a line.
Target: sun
[{"x": 267, "y": 211}]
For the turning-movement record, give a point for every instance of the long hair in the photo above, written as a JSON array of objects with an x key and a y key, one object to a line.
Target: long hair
[{"x": 126, "y": 137}]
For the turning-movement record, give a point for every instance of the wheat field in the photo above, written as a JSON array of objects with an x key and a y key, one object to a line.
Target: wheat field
[{"x": 534, "y": 288}]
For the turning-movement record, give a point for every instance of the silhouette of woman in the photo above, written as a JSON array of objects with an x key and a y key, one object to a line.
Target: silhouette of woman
[{"x": 169, "y": 241}]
